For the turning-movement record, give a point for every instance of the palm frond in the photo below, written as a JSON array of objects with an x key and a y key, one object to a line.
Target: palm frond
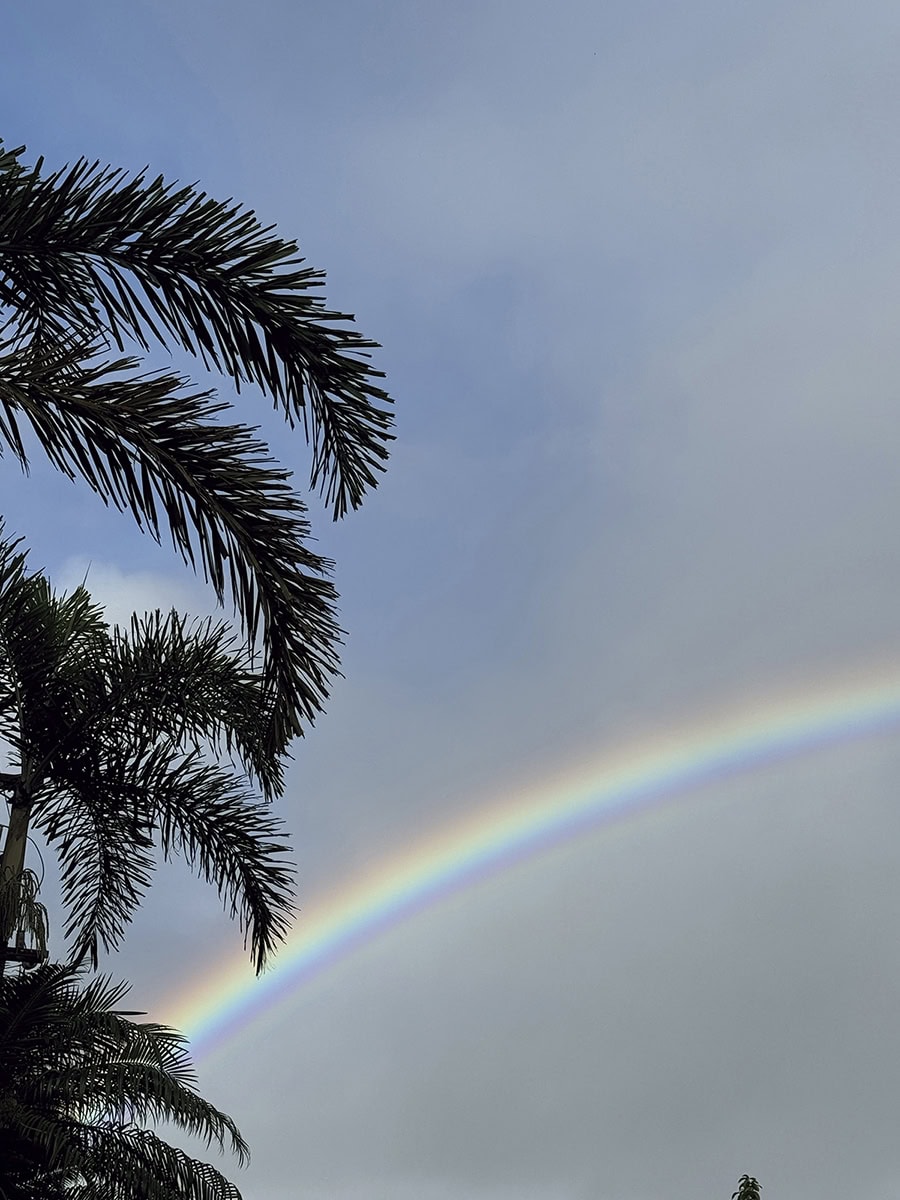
[
  {"x": 136, "y": 1164},
  {"x": 106, "y": 865},
  {"x": 104, "y": 832},
  {"x": 186, "y": 681},
  {"x": 147, "y": 447},
  {"x": 235, "y": 843},
  {"x": 88, "y": 249},
  {"x": 22, "y": 915},
  {"x": 79, "y": 1079},
  {"x": 55, "y": 654},
  {"x": 100, "y": 1160}
]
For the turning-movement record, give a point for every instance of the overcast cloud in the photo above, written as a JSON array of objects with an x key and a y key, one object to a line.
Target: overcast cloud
[{"x": 635, "y": 271}]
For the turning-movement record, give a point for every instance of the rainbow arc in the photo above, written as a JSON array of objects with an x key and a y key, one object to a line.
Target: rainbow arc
[{"x": 603, "y": 790}]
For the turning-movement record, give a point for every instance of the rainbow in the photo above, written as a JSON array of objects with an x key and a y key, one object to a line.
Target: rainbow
[{"x": 529, "y": 821}]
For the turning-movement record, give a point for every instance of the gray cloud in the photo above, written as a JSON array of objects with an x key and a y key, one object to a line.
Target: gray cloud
[{"x": 635, "y": 273}]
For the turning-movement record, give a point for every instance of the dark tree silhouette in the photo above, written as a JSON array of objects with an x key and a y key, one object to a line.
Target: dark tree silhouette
[
  {"x": 121, "y": 740},
  {"x": 94, "y": 262},
  {"x": 82, "y": 1088},
  {"x": 748, "y": 1189}
]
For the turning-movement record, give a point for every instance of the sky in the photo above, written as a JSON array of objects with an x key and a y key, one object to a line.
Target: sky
[{"x": 635, "y": 269}]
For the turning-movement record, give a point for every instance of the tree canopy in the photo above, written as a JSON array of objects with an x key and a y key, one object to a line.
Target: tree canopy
[{"x": 125, "y": 739}]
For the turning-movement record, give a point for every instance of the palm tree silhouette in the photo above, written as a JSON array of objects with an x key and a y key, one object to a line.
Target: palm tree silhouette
[
  {"x": 94, "y": 262},
  {"x": 121, "y": 741},
  {"x": 80, "y": 1085}
]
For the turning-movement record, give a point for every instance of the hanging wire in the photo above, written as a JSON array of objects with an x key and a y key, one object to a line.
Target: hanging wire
[
  {"x": 43, "y": 864},
  {"x": 37, "y": 849}
]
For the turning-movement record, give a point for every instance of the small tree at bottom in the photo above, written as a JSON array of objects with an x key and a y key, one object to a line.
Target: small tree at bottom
[{"x": 748, "y": 1189}]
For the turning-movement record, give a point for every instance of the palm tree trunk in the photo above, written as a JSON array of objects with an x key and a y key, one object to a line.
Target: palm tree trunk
[{"x": 11, "y": 866}]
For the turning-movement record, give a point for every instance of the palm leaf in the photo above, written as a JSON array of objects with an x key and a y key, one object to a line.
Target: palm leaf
[
  {"x": 104, "y": 818},
  {"x": 106, "y": 864},
  {"x": 146, "y": 446},
  {"x": 186, "y": 681},
  {"x": 235, "y": 844},
  {"x": 87, "y": 249}
]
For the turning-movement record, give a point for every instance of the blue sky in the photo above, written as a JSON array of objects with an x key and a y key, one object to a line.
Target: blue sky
[{"x": 635, "y": 273}]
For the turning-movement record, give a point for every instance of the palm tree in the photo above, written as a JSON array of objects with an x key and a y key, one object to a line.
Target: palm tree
[
  {"x": 122, "y": 740},
  {"x": 92, "y": 260},
  {"x": 81, "y": 1083}
]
